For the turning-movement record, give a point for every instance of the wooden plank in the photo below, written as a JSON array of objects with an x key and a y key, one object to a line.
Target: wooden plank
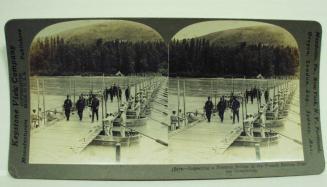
[
  {"x": 83, "y": 142},
  {"x": 62, "y": 139},
  {"x": 203, "y": 137},
  {"x": 229, "y": 139}
]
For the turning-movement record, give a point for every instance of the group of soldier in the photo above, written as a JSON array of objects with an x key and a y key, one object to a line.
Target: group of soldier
[
  {"x": 116, "y": 91},
  {"x": 256, "y": 93},
  {"x": 233, "y": 104},
  {"x": 93, "y": 102},
  {"x": 90, "y": 101},
  {"x": 221, "y": 107}
]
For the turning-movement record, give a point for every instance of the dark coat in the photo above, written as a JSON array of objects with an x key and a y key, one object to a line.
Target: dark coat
[
  {"x": 208, "y": 106},
  {"x": 119, "y": 92},
  {"x": 221, "y": 106},
  {"x": 95, "y": 104},
  {"x": 106, "y": 93},
  {"x": 266, "y": 95},
  {"x": 111, "y": 91},
  {"x": 80, "y": 104},
  {"x": 68, "y": 104},
  {"x": 127, "y": 93},
  {"x": 235, "y": 105},
  {"x": 115, "y": 91}
]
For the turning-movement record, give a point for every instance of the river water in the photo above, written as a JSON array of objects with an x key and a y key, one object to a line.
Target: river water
[
  {"x": 147, "y": 151},
  {"x": 196, "y": 93}
]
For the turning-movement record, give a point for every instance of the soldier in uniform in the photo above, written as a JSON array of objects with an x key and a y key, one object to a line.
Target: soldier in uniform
[
  {"x": 108, "y": 124},
  {"x": 35, "y": 118},
  {"x": 111, "y": 93},
  {"x": 115, "y": 90},
  {"x": 119, "y": 93},
  {"x": 221, "y": 106},
  {"x": 89, "y": 102},
  {"x": 252, "y": 95},
  {"x": 259, "y": 95},
  {"x": 106, "y": 94},
  {"x": 67, "y": 107},
  {"x": 208, "y": 108},
  {"x": 173, "y": 121},
  {"x": 127, "y": 93},
  {"x": 121, "y": 119},
  {"x": 80, "y": 105},
  {"x": 95, "y": 107},
  {"x": 235, "y": 109},
  {"x": 267, "y": 96},
  {"x": 248, "y": 125},
  {"x": 262, "y": 122}
]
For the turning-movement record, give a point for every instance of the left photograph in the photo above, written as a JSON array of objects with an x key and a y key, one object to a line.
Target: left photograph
[{"x": 98, "y": 94}]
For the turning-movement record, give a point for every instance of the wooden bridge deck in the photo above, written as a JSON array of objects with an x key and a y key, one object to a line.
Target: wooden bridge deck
[
  {"x": 204, "y": 136},
  {"x": 62, "y": 139}
]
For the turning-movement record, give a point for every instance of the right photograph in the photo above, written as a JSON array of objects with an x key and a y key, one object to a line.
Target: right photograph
[{"x": 234, "y": 94}]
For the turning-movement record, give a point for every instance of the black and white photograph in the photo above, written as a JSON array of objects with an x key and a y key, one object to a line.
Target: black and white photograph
[
  {"x": 98, "y": 94},
  {"x": 234, "y": 94},
  {"x": 163, "y": 98}
]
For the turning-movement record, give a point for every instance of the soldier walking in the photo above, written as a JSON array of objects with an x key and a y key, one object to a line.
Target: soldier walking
[
  {"x": 235, "y": 108},
  {"x": 127, "y": 93},
  {"x": 221, "y": 106},
  {"x": 208, "y": 108},
  {"x": 67, "y": 107},
  {"x": 95, "y": 107},
  {"x": 80, "y": 105},
  {"x": 111, "y": 93}
]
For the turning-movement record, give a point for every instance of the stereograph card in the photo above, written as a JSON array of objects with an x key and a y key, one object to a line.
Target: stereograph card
[{"x": 163, "y": 98}]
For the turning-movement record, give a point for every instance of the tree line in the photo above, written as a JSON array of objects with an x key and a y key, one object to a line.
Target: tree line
[
  {"x": 53, "y": 56},
  {"x": 200, "y": 58}
]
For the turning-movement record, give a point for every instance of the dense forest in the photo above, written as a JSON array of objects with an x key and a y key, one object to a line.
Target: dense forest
[
  {"x": 53, "y": 56},
  {"x": 200, "y": 58}
]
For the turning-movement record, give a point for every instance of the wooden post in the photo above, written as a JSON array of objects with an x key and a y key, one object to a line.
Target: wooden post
[
  {"x": 257, "y": 151},
  {"x": 233, "y": 85},
  {"x": 104, "y": 95},
  {"x": 184, "y": 110},
  {"x": 135, "y": 92},
  {"x": 38, "y": 101},
  {"x": 246, "y": 108},
  {"x": 274, "y": 93},
  {"x": 178, "y": 102},
  {"x": 258, "y": 102},
  {"x": 242, "y": 100},
  {"x": 211, "y": 90},
  {"x": 168, "y": 59},
  {"x": 267, "y": 91},
  {"x": 102, "y": 111},
  {"x": 118, "y": 103},
  {"x": 103, "y": 83},
  {"x": 90, "y": 83},
  {"x": 278, "y": 101},
  {"x": 118, "y": 150},
  {"x": 70, "y": 86},
  {"x": 243, "y": 116},
  {"x": 216, "y": 93},
  {"x": 74, "y": 90},
  {"x": 43, "y": 90}
]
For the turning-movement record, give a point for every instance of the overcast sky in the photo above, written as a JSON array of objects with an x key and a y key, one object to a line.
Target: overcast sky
[
  {"x": 67, "y": 25},
  {"x": 191, "y": 31},
  {"x": 207, "y": 27}
]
